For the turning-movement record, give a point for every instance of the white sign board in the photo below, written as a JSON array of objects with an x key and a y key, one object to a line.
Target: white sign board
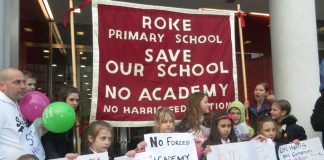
[
  {"x": 138, "y": 156},
  {"x": 97, "y": 156},
  {"x": 171, "y": 146},
  {"x": 244, "y": 151},
  {"x": 310, "y": 149},
  {"x": 241, "y": 131},
  {"x": 31, "y": 140}
]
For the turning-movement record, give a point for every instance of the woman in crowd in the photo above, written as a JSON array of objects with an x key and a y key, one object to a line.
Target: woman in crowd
[
  {"x": 261, "y": 105},
  {"x": 57, "y": 145}
]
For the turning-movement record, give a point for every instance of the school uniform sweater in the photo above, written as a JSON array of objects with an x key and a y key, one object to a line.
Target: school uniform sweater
[
  {"x": 110, "y": 153},
  {"x": 203, "y": 157},
  {"x": 290, "y": 130},
  {"x": 278, "y": 142}
]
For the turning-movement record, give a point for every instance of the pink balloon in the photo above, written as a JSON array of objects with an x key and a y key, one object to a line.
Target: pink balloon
[{"x": 32, "y": 104}]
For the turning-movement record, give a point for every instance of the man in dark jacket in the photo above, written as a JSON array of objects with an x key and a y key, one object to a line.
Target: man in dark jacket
[{"x": 317, "y": 118}]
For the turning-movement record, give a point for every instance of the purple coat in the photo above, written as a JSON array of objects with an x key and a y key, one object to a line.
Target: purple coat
[{"x": 254, "y": 114}]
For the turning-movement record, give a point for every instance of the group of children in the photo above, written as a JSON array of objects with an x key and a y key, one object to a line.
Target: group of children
[
  {"x": 271, "y": 119},
  {"x": 100, "y": 134},
  {"x": 274, "y": 122}
]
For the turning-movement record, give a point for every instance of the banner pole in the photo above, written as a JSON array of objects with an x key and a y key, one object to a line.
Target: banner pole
[
  {"x": 240, "y": 16},
  {"x": 74, "y": 76}
]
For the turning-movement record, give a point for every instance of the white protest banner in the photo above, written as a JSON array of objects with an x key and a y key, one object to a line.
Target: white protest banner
[
  {"x": 32, "y": 141},
  {"x": 171, "y": 146},
  {"x": 310, "y": 149},
  {"x": 138, "y": 156},
  {"x": 249, "y": 150},
  {"x": 97, "y": 156}
]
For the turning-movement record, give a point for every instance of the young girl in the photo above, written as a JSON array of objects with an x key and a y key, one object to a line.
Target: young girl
[
  {"x": 100, "y": 138},
  {"x": 261, "y": 105},
  {"x": 192, "y": 122},
  {"x": 221, "y": 132},
  {"x": 290, "y": 131},
  {"x": 163, "y": 123},
  {"x": 268, "y": 128},
  {"x": 57, "y": 145}
]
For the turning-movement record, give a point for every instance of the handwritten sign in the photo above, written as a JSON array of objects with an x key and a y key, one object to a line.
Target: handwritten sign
[
  {"x": 244, "y": 151},
  {"x": 32, "y": 141},
  {"x": 171, "y": 146},
  {"x": 241, "y": 131},
  {"x": 310, "y": 149},
  {"x": 97, "y": 156},
  {"x": 138, "y": 156}
]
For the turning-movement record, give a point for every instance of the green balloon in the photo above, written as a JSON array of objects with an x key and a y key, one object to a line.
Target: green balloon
[{"x": 58, "y": 117}]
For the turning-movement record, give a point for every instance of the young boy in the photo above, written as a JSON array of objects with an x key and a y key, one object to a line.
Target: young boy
[
  {"x": 290, "y": 131},
  {"x": 30, "y": 81},
  {"x": 243, "y": 131}
]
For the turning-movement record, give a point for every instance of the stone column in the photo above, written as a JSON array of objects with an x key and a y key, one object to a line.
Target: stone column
[
  {"x": 9, "y": 33},
  {"x": 295, "y": 56}
]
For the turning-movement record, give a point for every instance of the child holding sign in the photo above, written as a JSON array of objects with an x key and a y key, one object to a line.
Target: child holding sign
[
  {"x": 243, "y": 131},
  {"x": 221, "y": 132},
  {"x": 290, "y": 131},
  {"x": 192, "y": 122},
  {"x": 268, "y": 128},
  {"x": 100, "y": 137},
  {"x": 163, "y": 123}
]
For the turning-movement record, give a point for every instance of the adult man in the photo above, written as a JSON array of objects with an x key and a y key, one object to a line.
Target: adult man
[
  {"x": 12, "y": 125},
  {"x": 317, "y": 117},
  {"x": 30, "y": 80}
]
